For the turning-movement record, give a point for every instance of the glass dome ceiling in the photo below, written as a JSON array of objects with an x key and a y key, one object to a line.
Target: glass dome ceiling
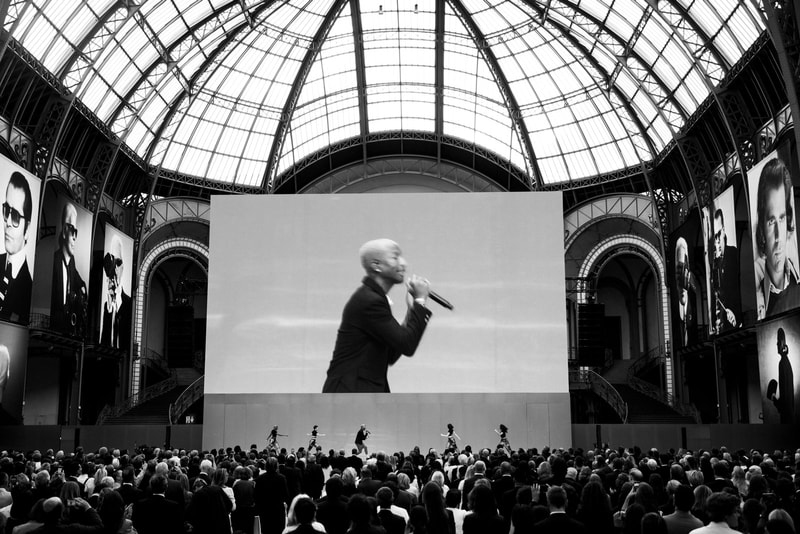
[{"x": 239, "y": 91}]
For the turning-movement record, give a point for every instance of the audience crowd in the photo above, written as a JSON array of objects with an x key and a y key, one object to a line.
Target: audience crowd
[{"x": 251, "y": 491}]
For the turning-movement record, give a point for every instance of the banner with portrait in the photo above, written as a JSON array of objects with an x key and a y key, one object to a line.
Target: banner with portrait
[
  {"x": 779, "y": 370},
  {"x": 685, "y": 258},
  {"x": 773, "y": 227},
  {"x": 724, "y": 303},
  {"x": 13, "y": 361},
  {"x": 19, "y": 197},
  {"x": 62, "y": 263},
  {"x": 115, "y": 292}
]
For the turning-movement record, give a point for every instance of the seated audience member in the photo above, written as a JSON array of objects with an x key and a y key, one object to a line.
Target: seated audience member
[{"x": 681, "y": 521}]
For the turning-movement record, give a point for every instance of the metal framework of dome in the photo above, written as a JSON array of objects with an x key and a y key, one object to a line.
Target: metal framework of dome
[{"x": 239, "y": 91}]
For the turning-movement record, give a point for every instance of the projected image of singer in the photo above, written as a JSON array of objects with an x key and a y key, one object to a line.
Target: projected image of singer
[{"x": 369, "y": 339}]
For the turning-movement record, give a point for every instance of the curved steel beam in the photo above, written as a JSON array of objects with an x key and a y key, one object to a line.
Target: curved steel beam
[
  {"x": 188, "y": 34},
  {"x": 101, "y": 21},
  {"x": 512, "y": 106},
  {"x": 670, "y": 94},
  {"x": 708, "y": 42},
  {"x": 361, "y": 78},
  {"x": 291, "y": 101}
]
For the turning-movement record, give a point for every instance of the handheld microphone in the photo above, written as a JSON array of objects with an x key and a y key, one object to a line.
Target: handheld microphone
[{"x": 440, "y": 300}]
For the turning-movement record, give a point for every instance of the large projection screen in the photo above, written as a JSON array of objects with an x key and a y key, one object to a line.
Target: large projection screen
[{"x": 281, "y": 269}]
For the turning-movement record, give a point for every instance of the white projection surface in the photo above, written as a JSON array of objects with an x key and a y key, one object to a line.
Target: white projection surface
[{"x": 281, "y": 269}]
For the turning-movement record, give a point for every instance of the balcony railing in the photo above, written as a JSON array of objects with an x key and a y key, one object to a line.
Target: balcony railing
[
  {"x": 602, "y": 388},
  {"x": 190, "y": 395},
  {"x": 147, "y": 394},
  {"x": 657, "y": 356}
]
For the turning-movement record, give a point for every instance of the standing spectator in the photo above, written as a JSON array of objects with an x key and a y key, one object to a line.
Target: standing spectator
[
  {"x": 723, "y": 514},
  {"x": 653, "y": 523},
  {"x": 558, "y": 522},
  {"x": 393, "y": 523},
  {"x": 440, "y": 520},
  {"x": 595, "y": 509},
  {"x": 484, "y": 518},
  {"x": 210, "y": 509},
  {"x": 271, "y": 498},
  {"x": 313, "y": 477},
  {"x": 332, "y": 509},
  {"x": 304, "y": 510},
  {"x": 681, "y": 521},
  {"x": 701, "y": 495},
  {"x": 156, "y": 514},
  {"x": 112, "y": 513},
  {"x": 360, "y": 512},
  {"x": 244, "y": 495}
]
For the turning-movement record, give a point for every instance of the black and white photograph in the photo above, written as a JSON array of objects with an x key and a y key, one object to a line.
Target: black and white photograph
[
  {"x": 116, "y": 307},
  {"x": 722, "y": 264},
  {"x": 775, "y": 253},
  {"x": 19, "y": 192},
  {"x": 63, "y": 264}
]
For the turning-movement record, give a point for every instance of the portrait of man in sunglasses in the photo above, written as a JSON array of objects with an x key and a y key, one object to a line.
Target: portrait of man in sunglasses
[
  {"x": 115, "y": 329},
  {"x": 68, "y": 291},
  {"x": 15, "y": 278}
]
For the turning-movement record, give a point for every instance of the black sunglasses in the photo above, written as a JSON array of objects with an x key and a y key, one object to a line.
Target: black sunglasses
[
  {"x": 15, "y": 215},
  {"x": 71, "y": 230}
]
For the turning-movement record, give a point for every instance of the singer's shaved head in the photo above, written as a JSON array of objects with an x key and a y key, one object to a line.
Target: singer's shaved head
[
  {"x": 383, "y": 261},
  {"x": 374, "y": 251}
]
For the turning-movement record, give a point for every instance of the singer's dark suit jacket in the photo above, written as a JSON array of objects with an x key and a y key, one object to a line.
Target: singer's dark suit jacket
[{"x": 370, "y": 340}]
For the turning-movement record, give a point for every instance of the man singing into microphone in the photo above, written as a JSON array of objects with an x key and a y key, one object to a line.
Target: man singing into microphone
[{"x": 369, "y": 339}]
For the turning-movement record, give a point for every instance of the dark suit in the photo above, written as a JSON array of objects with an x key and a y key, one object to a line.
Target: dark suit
[
  {"x": 61, "y": 311},
  {"x": 209, "y": 511},
  {"x": 271, "y": 498},
  {"x": 157, "y": 515},
  {"x": 16, "y": 306},
  {"x": 370, "y": 340},
  {"x": 123, "y": 337},
  {"x": 559, "y": 524},
  {"x": 394, "y": 524},
  {"x": 333, "y": 514},
  {"x": 130, "y": 493}
]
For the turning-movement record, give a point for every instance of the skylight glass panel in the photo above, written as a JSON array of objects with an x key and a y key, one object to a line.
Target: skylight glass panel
[
  {"x": 487, "y": 18},
  {"x": 553, "y": 170},
  {"x": 620, "y": 26},
  {"x": 544, "y": 143},
  {"x": 44, "y": 35},
  {"x": 78, "y": 22}
]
